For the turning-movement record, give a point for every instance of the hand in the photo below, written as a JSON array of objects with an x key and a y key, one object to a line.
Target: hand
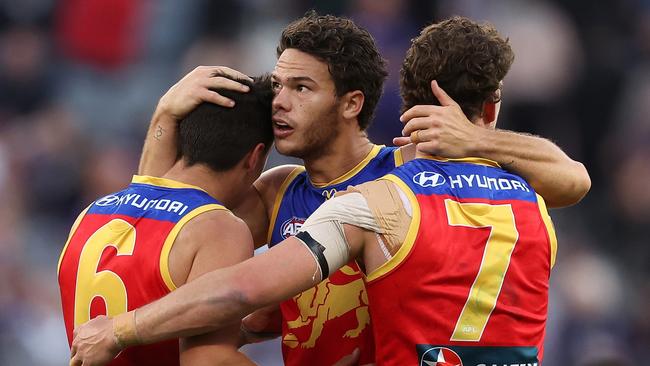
[
  {"x": 442, "y": 130},
  {"x": 194, "y": 89},
  {"x": 94, "y": 343}
]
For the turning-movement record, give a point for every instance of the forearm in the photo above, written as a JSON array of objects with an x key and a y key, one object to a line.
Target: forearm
[
  {"x": 205, "y": 304},
  {"x": 159, "y": 151},
  {"x": 556, "y": 177}
]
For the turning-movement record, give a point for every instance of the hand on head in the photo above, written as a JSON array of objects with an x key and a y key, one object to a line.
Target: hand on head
[
  {"x": 442, "y": 130},
  {"x": 194, "y": 89}
]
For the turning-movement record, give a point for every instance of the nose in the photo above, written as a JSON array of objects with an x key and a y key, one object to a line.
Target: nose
[{"x": 281, "y": 100}]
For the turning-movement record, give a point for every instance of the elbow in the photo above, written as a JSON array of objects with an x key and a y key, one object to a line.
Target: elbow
[
  {"x": 581, "y": 184},
  {"x": 245, "y": 296},
  {"x": 575, "y": 189},
  {"x": 584, "y": 182}
]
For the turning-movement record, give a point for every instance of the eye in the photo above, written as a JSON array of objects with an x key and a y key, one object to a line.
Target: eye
[
  {"x": 275, "y": 86},
  {"x": 301, "y": 88}
]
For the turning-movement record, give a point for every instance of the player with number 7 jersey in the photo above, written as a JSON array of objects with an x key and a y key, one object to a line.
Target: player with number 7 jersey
[{"x": 469, "y": 284}]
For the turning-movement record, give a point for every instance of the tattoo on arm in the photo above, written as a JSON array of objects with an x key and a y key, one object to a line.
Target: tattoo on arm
[{"x": 159, "y": 132}]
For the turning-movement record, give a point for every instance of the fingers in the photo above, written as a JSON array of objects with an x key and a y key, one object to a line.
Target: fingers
[
  {"x": 441, "y": 95},
  {"x": 226, "y": 71},
  {"x": 401, "y": 141},
  {"x": 419, "y": 123},
  {"x": 419, "y": 111},
  {"x": 225, "y": 83},
  {"x": 220, "y": 77},
  {"x": 210, "y": 96}
]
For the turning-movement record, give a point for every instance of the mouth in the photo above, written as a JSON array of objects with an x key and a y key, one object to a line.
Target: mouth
[{"x": 281, "y": 128}]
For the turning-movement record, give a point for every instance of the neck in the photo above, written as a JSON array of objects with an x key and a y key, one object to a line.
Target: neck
[
  {"x": 218, "y": 184},
  {"x": 346, "y": 152}
]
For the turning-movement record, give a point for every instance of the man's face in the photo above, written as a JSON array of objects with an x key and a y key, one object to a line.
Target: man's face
[{"x": 305, "y": 108}]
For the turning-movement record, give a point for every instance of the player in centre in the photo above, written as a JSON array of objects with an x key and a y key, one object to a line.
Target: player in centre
[{"x": 327, "y": 81}]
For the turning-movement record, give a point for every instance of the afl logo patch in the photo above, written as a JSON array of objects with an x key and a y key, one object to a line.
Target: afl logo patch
[
  {"x": 109, "y": 200},
  {"x": 440, "y": 356},
  {"x": 291, "y": 227},
  {"x": 429, "y": 179}
]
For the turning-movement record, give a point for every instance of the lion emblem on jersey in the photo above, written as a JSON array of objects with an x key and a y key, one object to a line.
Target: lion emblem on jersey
[{"x": 328, "y": 301}]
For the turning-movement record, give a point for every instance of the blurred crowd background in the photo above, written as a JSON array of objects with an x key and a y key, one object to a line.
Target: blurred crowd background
[{"x": 79, "y": 80}]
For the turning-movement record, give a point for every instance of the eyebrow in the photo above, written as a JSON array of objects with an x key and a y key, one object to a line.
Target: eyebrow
[{"x": 296, "y": 79}]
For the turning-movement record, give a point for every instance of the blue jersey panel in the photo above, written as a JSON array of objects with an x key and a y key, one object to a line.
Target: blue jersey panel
[
  {"x": 302, "y": 198},
  {"x": 464, "y": 180},
  {"x": 153, "y": 202}
]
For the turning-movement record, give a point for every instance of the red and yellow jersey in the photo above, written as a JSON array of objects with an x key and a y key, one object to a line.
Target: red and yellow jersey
[
  {"x": 469, "y": 286},
  {"x": 330, "y": 320},
  {"x": 116, "y": 257}
]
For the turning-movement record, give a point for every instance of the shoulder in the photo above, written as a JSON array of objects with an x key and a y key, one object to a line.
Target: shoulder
[
  {"x": 216, "y": 228},
  {"x": 272, "y": 180}
]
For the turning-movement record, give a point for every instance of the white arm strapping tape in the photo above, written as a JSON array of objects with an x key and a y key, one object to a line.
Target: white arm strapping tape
[{"x": 325, "y": 226}]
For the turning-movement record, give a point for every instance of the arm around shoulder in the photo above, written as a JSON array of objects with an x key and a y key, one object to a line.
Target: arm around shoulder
[{"x": 561, "y": 180}]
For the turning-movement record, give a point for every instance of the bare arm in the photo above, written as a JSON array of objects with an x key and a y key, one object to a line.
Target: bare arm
[
  {"x": 445, "y": 131},
  {"x": 212, "y": 301},
  {"x": 159, "y": 151},
  {"x": 556, "y": 177},
  {"x": 216, "y": 239}
]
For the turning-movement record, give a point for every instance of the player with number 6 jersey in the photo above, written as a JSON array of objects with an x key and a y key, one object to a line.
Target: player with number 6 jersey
[
  {"x": 117, "y": 256},
  {"x": 130, "y": 248}
]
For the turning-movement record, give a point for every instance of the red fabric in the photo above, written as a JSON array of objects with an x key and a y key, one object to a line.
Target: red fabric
[
  {"x": 335, "y": 307},
  {"x": 140, "y": 273},
  {"x": 104, "y": 33},
  {"x": 420, "y": 301}
]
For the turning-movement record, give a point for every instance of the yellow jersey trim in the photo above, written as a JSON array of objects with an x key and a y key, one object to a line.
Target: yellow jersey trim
[
  {"x": 472, "y": 160},
  {"x": 77, "y": 221},
  {"x": 550, "y": 228},
  {"x": 278, "y": 199},
  {"x": 411, "y": 235},
  {"x": 399, "y": 159},
  {"x": 171, "y": 238},
  {"x": 351, "y": 173},
  {"x": 162, "y": 182}
]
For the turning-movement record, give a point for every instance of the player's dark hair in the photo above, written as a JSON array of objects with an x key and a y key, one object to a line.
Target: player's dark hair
[
  {"x": 220, "y": 137},
  {"x": 467, "y": 59},
  {"x": 349, "y": 51}
]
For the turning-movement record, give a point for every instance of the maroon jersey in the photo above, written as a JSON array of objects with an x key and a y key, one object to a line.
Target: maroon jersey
[
  {"x": 116, "y": 258},
  {"x": 469, "y": 286}
]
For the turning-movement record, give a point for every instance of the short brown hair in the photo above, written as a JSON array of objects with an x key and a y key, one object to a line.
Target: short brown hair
[
  {"x": 349, "y": 51},
  {"x": 467, "y": 59}
]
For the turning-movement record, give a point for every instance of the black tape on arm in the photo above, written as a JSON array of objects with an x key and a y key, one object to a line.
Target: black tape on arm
[{"x": 317, "y": 249}]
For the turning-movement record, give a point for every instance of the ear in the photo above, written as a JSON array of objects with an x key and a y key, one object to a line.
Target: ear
[
  {"x": 352, "y": 103},
  {"x": 489, "y": 112},
  {"x": 254, "y": 157}
]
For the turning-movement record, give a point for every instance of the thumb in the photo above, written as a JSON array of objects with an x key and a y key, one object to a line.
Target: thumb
[{"x": 441, "y": 95}]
